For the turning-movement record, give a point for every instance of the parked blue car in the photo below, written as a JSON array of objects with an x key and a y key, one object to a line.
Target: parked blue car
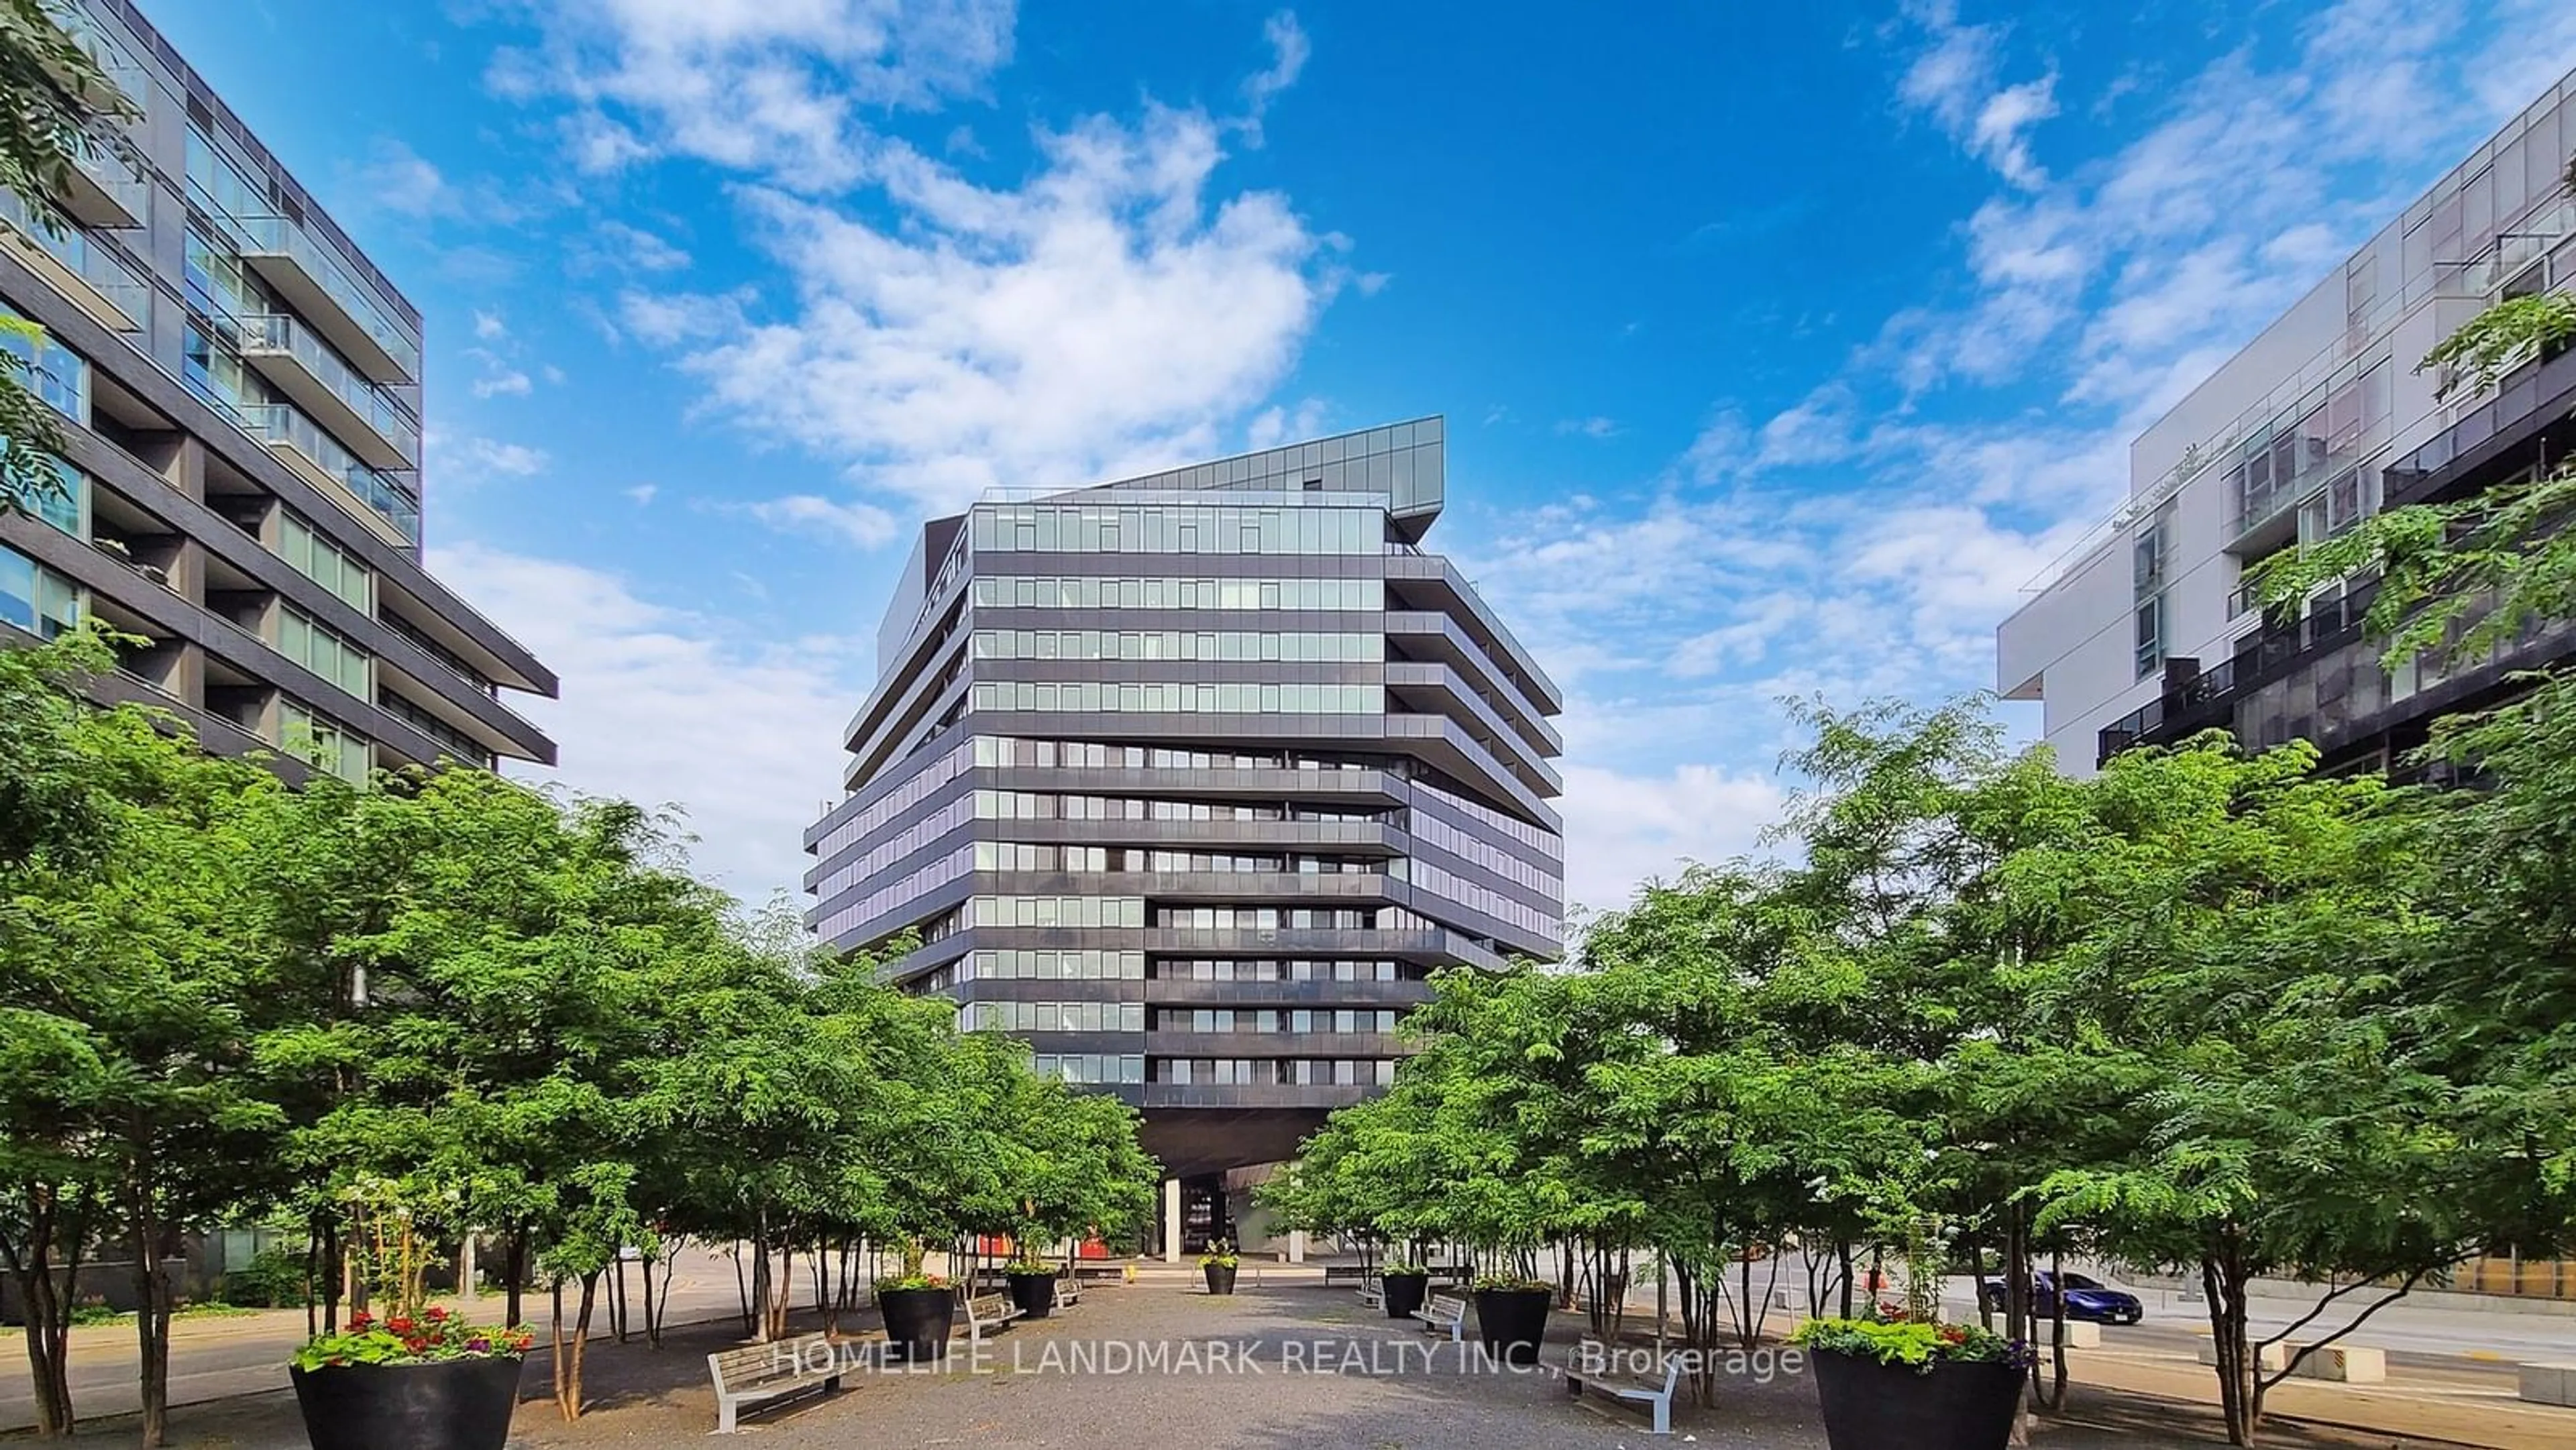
[{"x": 2086, "y": 1298}]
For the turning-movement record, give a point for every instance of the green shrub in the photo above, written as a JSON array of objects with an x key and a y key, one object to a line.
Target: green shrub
[
  {"x": 273, "y": 1279},
  {"x": 1916, "y": 1342}
]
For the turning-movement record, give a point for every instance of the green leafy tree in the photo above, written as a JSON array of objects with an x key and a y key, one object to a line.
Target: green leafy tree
[{"x": 2258, "y": 925}]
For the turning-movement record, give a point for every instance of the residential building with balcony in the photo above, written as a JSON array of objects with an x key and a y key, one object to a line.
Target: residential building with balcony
[
  {"x": 1193, "y": 779},
  {"x": 2148, "y": 632},
  {"x": 240, "y": 388}
]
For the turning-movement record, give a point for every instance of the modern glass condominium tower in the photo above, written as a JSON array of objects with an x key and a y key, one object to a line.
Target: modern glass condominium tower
[{"x": 1191, "y": 779}]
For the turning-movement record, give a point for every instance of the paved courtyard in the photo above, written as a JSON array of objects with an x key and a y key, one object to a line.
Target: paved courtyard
[{"x": 1268, "y": 1369}]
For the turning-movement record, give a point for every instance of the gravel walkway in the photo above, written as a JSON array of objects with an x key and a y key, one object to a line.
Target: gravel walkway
[{"x": 1302, "y": 1368}]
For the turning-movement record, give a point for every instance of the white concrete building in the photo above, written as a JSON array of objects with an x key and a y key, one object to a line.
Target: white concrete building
[{"x": 2145, "y": 634}]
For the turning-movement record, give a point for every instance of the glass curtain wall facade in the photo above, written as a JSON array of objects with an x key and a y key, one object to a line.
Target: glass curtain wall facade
[
  {"x": 240, "y": 393},
  {"x": 1192, "y": 779}
]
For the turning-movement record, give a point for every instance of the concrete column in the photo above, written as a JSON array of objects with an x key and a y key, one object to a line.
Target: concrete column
[
  {"x": 1171, "y": 1220},
  {"x": 1296, "y": 1246}
]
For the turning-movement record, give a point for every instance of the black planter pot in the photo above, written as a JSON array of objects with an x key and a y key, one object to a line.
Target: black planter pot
[
  {"x": 1034, "y": 1293},
  {"x": 917, "y": 1321},
  {"x": 1955, "y": 1406},
  {"x": 1405, "y": 1293},
  {"x": 1511, "y": 1322},
  {"x": 1220, "y": 1278},
  {"x": 455, "y": 1404}
]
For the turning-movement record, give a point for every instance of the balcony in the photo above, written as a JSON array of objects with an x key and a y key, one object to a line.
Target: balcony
[
  {"x": 2207, "y": 700},
  {"x": 128, "y": 83},
  {"x": 360, "y": 414},
  {"x": 303, "y": 270},
  {"x": 93, "y": 278},
  {"x": 362, "y": 493},
  {"x": 106, "y": 189},
  {"x": 1436, "y": 689}
]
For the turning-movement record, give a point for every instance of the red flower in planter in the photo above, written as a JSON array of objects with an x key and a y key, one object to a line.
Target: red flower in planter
[
  {"x": 399, "y": 1324},
  {"x": 434, "y": 1313},
  {"x": 359, "y": 1321}
]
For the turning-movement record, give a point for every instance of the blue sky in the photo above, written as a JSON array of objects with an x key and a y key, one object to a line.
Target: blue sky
[{"x": 1782, "y": 345}]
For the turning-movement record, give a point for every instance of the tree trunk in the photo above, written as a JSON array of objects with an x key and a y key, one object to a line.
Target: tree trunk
[
  {"x": 49, "y": 1304},
  {"x": 1843, "y": 1251},
  {"x": 515, "y": 1264},
  {"x": 617, "y": 1315},
  {"x": 327, "y": 1232},
  {"x": 2222, "y": 1279},
  {"x": 2055, "y": 1398},
  {"x": 555, "y": 1344},
  {"x": 151, "y": 1286},
  {"x": 1977, "y": 1271},
  {"x": 652, "y": 1320},
  {"x": 568, "y": 1374}
]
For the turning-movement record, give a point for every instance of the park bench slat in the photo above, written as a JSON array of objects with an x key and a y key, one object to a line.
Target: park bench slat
[
  {"x": 1592, "y": 1366},
  {"x": 1445, "y": 1312},
  {"x": 758, "y": 1373}
]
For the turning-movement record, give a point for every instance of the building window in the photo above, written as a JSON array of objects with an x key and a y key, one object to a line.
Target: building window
[
  {"x": 67, "y": 509},
  {"x": 317, "y": 648},
  {"x": 50, "y": 370},
  {"x": 321, "y": 561},
  {"x": 2151, "y": 636},
  {"x": 316, "y": 741},
  {"x": 35, "y": 598}
]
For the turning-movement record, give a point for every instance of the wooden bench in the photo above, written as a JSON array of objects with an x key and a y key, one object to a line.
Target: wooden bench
[
  {"x": 988, "y": 1312},
  {"x": 1347, "y": 1273},
  {"x": 1373, "y": 1291},
  {"x": 758, "y": 1373},
  {"x": 1596, "y": 1367},
  {"x": 1068, "y": 1290},
  {"x": 1445, "y": 1311},
  {"x": 1099, "y": 1273}
]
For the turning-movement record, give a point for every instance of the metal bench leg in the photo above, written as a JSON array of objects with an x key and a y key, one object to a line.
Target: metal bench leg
[
  {"x": 1663, "y": 1415},
  {"x": 724, "y": 1414}
]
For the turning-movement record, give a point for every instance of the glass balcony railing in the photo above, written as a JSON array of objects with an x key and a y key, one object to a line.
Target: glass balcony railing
[
  {"x": 311, "y": 274},
  {"x": 396, "y": 441},
  {"x": 117, "y": 282},
  {"x": 283, "y": 423},
  {"x": 106, "y": 187},
  {"x": 123, "y": 71}
]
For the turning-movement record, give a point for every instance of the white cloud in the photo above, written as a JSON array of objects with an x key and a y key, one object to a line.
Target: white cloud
[
  {"x": 643, "y": 493},
  {"x": 779, "y": 86},
  {"x": 1289, "y": 51},
  {"x": 743, "y": 725},
  {"x": 489, "y": 326},
  {"x": 862, "y": 524},
  {"x": 1592, "y": 427},
  {"x": 637, "y": 249},
  {"x": 1623, "y": 829},
  {"x": 1954, "y": 77},
  {"x": 401, "y": 180},
  {"x": 1116, "y": 312},
  {"x": 471, "y": 460},
  {"x": 501, "y": 380}
]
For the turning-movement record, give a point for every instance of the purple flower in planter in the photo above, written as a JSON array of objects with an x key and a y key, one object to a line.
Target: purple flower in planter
[{"x": 478, "y": 1345}]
